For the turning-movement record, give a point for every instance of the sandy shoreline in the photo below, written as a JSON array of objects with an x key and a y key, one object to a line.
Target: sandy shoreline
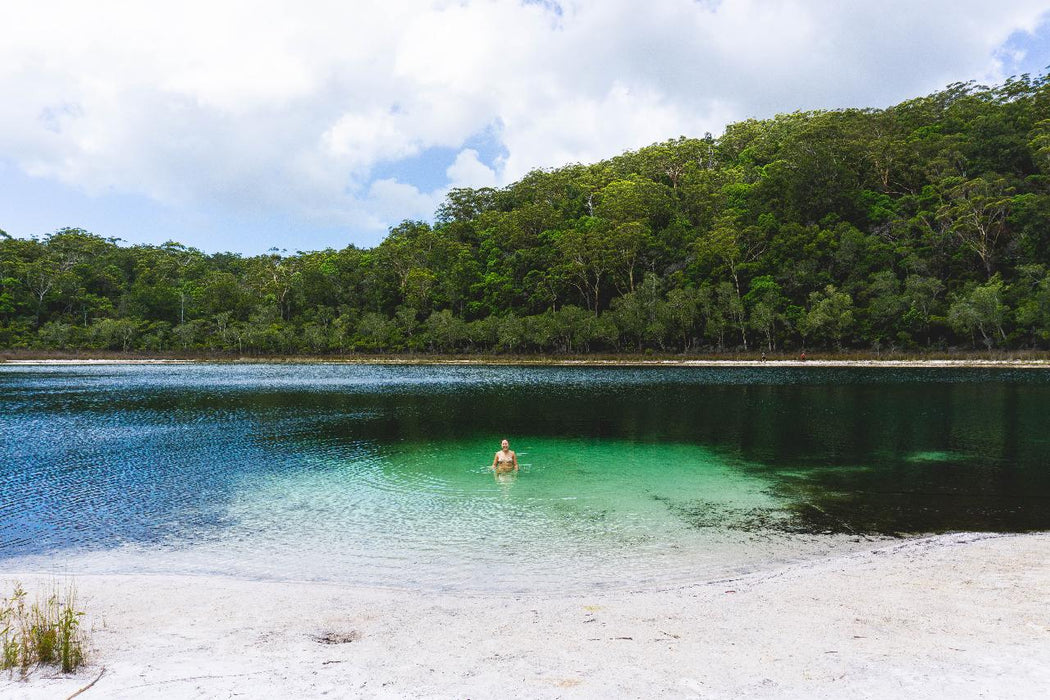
[{"x": 950, "y": 616}]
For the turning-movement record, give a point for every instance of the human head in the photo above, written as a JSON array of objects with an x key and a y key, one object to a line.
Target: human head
[{"x": 505, "y": 445}]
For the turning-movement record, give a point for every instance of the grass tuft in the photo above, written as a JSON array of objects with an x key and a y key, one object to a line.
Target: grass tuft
[{"x": 44, "y": 633}]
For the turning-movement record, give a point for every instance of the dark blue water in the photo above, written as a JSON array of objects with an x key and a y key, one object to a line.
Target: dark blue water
[{"x": 378, "y": 473}]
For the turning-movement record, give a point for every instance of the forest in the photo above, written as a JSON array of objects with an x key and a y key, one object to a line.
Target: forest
[{"x": 921, "y": 227}]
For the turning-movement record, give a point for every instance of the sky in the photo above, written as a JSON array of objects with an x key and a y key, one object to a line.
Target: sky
[{"x": 242, "y": 126}]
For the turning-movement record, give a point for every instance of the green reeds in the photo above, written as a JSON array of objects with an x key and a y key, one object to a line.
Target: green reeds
[{"x": 46, "y": 632}]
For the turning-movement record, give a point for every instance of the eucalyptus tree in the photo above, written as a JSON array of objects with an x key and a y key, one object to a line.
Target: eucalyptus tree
[
  {"x": 684, "y": 312},
  {"x": 642, "y": 314},
  {"x": 445, "y": 331},
  {"x": 589, "y": 259},
  {"x": 981, "y": 308},
  {"x": 975, "y": 212},
  {"x": 633, "y": 207},
  {"x": 1033, "y": 309},
  {"x": 43, "y": 272},
  {"x": 884, "y": 307},
  {"x": 573, "y": 328},
  {"x": 765, "y": 303},
  {"x": 276, "y": 277},
  {"x": 921, "y": 297},
  {"x": 830, "y": 317}
]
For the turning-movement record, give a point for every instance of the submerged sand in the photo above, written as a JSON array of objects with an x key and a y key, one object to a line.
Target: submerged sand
[{"x": 954, "y": 616}]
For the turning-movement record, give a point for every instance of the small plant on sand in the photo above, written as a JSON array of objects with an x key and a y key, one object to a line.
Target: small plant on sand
[{"x": 47, "y": 632}]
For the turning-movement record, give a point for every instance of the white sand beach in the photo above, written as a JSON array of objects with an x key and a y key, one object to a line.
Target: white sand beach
[{"x": 953, "y": 616}]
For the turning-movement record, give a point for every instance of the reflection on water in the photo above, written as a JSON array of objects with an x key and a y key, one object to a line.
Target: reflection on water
[
  {"x": 506, "y": 480},
  {"x": 629, "y": 477}
]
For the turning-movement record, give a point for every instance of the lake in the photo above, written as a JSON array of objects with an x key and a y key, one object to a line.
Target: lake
[{"x": 631, "y": 477}]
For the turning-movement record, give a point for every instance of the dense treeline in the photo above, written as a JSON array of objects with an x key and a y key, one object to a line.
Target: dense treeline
[{"x": 924, "y": 225}]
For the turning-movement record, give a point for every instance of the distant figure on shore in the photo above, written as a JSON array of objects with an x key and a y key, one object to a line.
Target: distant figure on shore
[
  {"x": 505, "y": 460},
  {"x": 802, "y": 356}
]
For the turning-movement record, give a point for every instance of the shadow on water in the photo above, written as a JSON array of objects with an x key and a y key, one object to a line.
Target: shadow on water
[
  {"x": 847, "y": 451},
  {"x": 917, "y": 452}
]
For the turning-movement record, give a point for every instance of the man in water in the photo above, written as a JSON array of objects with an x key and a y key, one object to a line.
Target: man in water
[{"x": 505, "y": 460}]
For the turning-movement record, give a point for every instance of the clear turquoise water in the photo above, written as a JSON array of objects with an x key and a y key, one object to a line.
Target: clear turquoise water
[{"x": 379, "y": 475}]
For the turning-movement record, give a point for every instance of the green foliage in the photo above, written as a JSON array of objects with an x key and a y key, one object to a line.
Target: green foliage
[
  {"x": 830, "y": 317},
  {"x": 46, "y": 632},
  {"x": 981, "y": 308},
  {"x": 765, "y": 306},
  {"x": 923, "y": 225}
]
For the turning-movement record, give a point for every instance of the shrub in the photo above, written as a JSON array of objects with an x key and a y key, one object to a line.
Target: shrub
[{"x": 45, "y": 633}]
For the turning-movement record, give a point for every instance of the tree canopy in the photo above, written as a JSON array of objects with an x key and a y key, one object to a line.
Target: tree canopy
[{"x": 921, "y": 226}]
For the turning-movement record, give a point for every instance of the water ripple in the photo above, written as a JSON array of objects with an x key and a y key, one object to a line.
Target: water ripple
[{"x": 380, "y": 475}]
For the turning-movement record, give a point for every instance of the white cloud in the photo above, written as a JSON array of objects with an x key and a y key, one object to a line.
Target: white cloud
[
  {"x": 362, "y": 140},
  {"x": 394, "y": 201},
  {"x": 468, "y": 171},
  {"x": 274, "y": 106}
]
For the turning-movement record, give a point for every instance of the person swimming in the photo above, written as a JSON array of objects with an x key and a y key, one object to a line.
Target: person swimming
[{"x": 505, "y": 460}]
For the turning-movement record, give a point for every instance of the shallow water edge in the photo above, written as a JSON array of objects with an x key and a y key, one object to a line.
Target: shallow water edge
[{"x": 632, "y": 477}]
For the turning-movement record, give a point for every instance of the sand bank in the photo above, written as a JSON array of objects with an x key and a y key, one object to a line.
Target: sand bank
[{"x": 954, "y": 616}]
